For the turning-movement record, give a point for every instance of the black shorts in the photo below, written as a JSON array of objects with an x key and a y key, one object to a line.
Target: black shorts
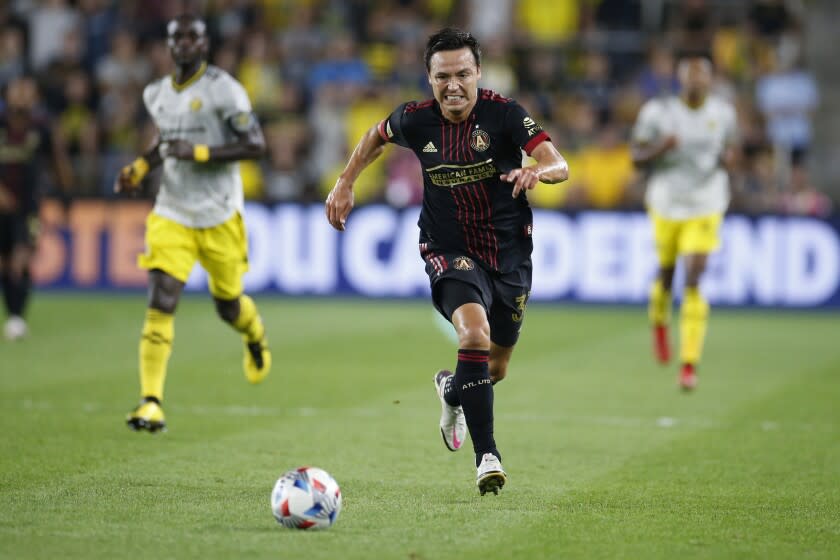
[
  {"x": 457, "y": 279},
  {"x": 17, "y": 229}
]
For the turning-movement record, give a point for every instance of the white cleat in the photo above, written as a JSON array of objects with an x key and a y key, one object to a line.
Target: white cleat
[
  {"x": 15, "y": 328},
  {"x": 491, "y": 476},
  {"x": 453, "y": 425}
]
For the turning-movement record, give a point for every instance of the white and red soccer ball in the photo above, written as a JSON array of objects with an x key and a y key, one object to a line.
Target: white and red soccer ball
[{"x": 306, "y": 498}]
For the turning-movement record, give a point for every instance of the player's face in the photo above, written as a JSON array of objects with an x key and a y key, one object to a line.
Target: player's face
[
  {"x": 187, "y": 40},
  {"x": 454, "y": 77},
  {"x": 695, "y": 75}
]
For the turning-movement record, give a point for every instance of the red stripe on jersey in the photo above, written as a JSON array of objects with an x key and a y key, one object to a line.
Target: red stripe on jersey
[
  {"x": 535, "y": 141},
  {"x": 480, "y": 233},
  {"x": 456, "y": 196},
  {"x": 495, "y": 261}
]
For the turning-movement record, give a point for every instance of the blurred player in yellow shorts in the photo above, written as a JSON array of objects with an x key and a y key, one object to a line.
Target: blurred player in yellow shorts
[
  {"x": 205, "y": 125},
  {"x": 687, "y": 141}
]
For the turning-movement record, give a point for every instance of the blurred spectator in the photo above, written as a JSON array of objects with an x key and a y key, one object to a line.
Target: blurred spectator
[
  {"x": 78, "y": 126},
  {"x": 12, "y": 54},
  {"x": 496, "y": 71},
  {"x": 547, "y": 23},
  {"x": 98, "y": 22},
  {"x": 341, "y": 67},
  {"x": 49, "y": 22},
  {"x": 122, "y": 66},
  {"x": 658, "y": 76},
  {"x": 259, "y": 74},
  {"x": 487, "y": 19},
  {"x": 695, "y": 25},
  {"x": 68, "y": 61},
  {"x": 604, "y": 172},
  {"x": 787, "y": 95}
]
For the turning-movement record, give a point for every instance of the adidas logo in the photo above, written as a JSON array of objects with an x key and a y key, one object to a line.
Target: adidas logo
[{"x": 429, "y": 148}]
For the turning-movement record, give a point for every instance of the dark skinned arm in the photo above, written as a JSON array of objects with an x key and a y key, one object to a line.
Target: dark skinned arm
[
  {"x": 131, "y": 176},
  {"x": 645, "y": 153},
  {"x": 249, "y": 144}
]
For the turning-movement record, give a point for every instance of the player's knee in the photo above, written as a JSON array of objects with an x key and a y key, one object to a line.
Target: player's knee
[
  {"x": 475, "y": 337},
  {"x": 227, "y": 309},
  {"x": 498, "y": 370}
]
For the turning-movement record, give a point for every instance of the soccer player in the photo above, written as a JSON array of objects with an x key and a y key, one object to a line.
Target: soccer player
[
  {"x": 475, "y": 226},
  {"x": 27, "y": 143},
  {"x": 688, "y": 141},
  {"x": 205, "y": 125}
]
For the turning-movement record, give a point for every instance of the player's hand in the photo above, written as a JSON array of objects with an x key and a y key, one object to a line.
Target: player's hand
[
  {"x": 131, "y": 176},
  {"x": 339, "y": 203},
  {"x": 669, "y": 143},
  {"x": 180, "y": 149},
  {"x": 524, "y": 178}
]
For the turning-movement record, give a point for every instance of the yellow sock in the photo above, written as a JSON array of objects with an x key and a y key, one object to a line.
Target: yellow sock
[
  {"x": 694, "y": 314},
  {"x": 155, "y": 348},
  {"x": 249, "y": 322},
  {"x": 659, "y": 304}
]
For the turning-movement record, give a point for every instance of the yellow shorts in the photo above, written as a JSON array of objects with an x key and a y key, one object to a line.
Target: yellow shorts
[
  {"x": 683, "y": 237},
  {"x": 222, "y": 250}
]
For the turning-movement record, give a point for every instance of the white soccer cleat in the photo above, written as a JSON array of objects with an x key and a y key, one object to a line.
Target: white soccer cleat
[
  {"x": 15, "y": 328},
  {"x": 491, "y": 476},
  {"x": 453, "y": 425}
]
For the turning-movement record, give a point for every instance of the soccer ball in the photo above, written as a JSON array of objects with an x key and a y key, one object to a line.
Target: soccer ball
[{"x": 306, "y": 498}]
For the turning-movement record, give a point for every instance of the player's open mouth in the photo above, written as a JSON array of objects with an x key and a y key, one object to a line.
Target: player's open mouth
[{"x": 453, "y": 98}]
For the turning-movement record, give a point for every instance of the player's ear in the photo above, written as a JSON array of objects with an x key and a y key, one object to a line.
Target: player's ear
[{"x": 478, "y": 72}]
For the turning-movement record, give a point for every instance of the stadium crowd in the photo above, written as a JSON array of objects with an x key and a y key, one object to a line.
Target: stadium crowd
[{"x": 319, "y": 71}]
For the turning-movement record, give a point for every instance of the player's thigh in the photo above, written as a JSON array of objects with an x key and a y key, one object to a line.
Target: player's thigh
[
  {"x": 700, "y": 235},
  {"x": 666, "y": 235},
  {"x": 170, "y": 247},
  {"x": 223, "y": 252},
  {"x": 456, "y": 280},
  {"x": 510, "y": 298}
]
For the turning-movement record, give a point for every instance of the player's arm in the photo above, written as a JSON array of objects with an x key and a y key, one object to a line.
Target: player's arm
[
  {"x": 249, "y": 143},
  {"x": 644, "y": 153},
  {"x": 131, "y": 176},
  {"x": 550, "y": 167},
  {"x": 340, "y": 200}
]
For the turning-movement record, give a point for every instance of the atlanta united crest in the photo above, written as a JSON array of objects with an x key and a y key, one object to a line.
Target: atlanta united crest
[
  {"x": 479, "y": 140},
  {"x": 463, "y": 263}
]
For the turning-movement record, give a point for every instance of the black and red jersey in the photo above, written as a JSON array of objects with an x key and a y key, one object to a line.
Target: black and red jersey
[
  {"x": 23, "y": 151},
  {"x": 466, "y": 207}
]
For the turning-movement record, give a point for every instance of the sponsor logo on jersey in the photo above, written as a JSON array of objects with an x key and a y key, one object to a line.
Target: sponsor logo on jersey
[
  {"x": 429, "y": 148},
  {"x": 463, "y": 263},
  {"x": 448, "y": 175},
  {"x": 195, "y": 104},
  {"x": 479, "y": 140},
  {"x": 531, "y": 126}
]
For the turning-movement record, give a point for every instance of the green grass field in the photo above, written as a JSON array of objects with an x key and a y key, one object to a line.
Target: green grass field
[{"x": 606, "y": 459}]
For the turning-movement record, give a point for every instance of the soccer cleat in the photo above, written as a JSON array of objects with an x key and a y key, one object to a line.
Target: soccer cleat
[
  {"x": 453, "y": 425},
  {"x": 491, "y": 477},
  {"x": 147, "y": 416},
  {"x": 15, "y": 328},
  {"x": 257, "y": 361},
  {"x": 688, "y": 377},
  {"x": 661, "y": 348}
]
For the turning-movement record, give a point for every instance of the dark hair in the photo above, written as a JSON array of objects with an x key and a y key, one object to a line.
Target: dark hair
[{"x": 451, "y": 39}]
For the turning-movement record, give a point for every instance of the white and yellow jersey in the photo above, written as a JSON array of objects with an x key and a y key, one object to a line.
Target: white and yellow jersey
[
  {"x": 200, "y": 111},
  {"x": 687, "y": 181}
]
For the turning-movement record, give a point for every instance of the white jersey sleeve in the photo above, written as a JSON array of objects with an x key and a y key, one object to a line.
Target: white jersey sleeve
[{"x": 648, "y": 127}]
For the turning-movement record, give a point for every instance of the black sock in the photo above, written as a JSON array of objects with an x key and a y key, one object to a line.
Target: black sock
[
  {"x": 450, "y": 394},
  {"x": 18, "y": 294},
  {"x": 8, "y": 290},
  {"x": 472, "y": 382}
]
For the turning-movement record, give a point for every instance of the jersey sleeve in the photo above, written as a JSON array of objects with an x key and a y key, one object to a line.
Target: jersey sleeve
[
  {"x": 391, "y": 128},
  {"x": 647, "y": 127},
  {"x": 232, "y": 99},
  {"x": 524, "y": 131},
  {"x": 149, "y": 94}
]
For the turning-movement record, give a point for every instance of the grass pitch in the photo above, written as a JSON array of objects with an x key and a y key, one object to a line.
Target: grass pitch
[{"x": 606, "y": 459}]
